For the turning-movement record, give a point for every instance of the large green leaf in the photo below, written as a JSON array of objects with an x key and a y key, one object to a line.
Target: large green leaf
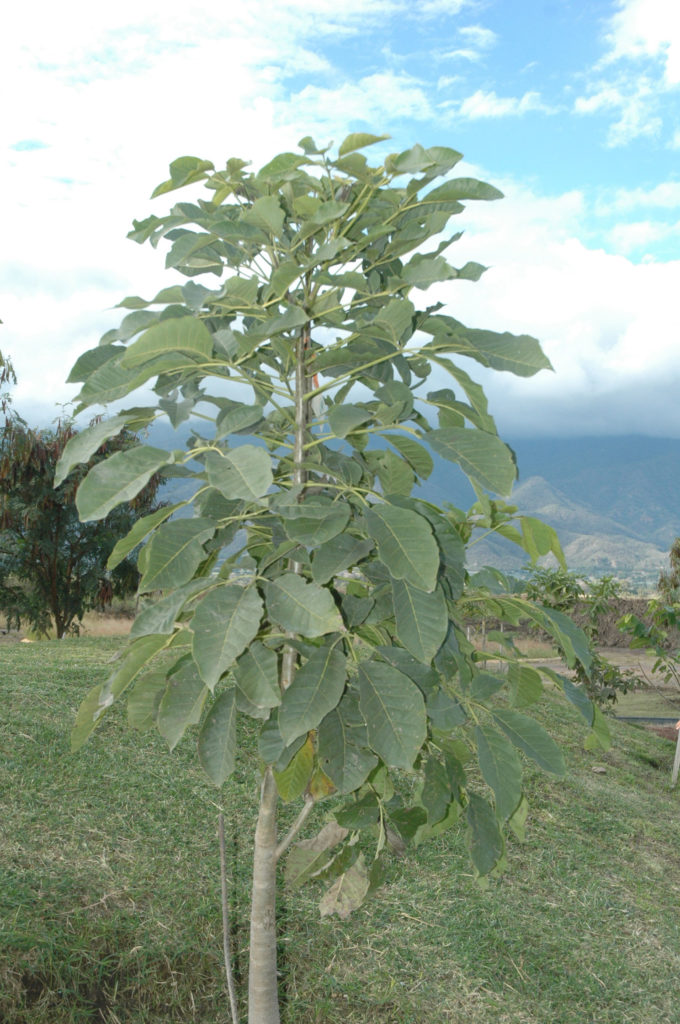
[
  {"x": 462, "y": 188},
  {"x": 160, "y": 616},
  {"x": 266, "y": 213},
  {"x": 341, "y": 754},
  {"x": 340, "y": 553},
  {"x": 346, "y": 418},
  {"x": 315, "y": 521},
  {"x": 293, "y": 780},
  {"x": 315, "y": 690},
  {"x": 483, "y": 457},
  {"x": 217, "y": 740},
  {"x": 415, "y": 454},
  {"x": 182, "y": 703},
  {"x": 186, "y": 335},
  {"x": 302, "y": 607},
  {"x": 225, "y": 622},
  {"x": 406, "y": 544},
  {"x": 244, "y": 472},
  {"x": 119, "y": 478},
  {"x": 530, "y": 737},
  {"x": 359, "y": 140},
  {"x": 143, "y": 702},
  {"x": 257, "y": 676},
  {"x": 85, "y": 443},
  {"x": 500, "y": 768},
  {"x": 174, "y": 553},
  {"x": 518, "y": 354},
  {"x": 136, "y": 658},
  {"x": 141, "y": 529},
  {"x": 485, "y": 839},
  {"x": 422, "y": 619},
  {"x": 394, "y": 711}
]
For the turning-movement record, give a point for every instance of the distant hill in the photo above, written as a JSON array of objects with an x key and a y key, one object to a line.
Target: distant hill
[{"x": 614, "y": 501}]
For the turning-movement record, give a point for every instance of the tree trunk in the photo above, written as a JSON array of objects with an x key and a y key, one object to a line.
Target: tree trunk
[{"x": 263, "y": 996}]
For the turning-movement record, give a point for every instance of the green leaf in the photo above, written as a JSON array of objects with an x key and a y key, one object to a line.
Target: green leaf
[
  {"x": 525, "y": 683},
  {"x": 236, "y": 418},
  {"x": 422, "y": 619},
  {"x": 293, "y": 780},
  {"x": 482, "y": 457},
  {"x": 415, "y": 454},
  {"x": 267, "y": 214},
  {"x": 174, "y": 553},
  {"x": 88, "y": 717},
  {"x": 217, "y": 740},
  {"x": 225, "y": 622},
  {"x": 599, "y": 737},
  {"x": 484, "y": 685},
  {"x": 348, "y": 892},
  {"x": 485, "y": 839},
  {"x": 518, "y": 820},
  {"x": 315, "y": 520},
  {"x": 143, "y": 702},
  {"x": 119, "y": 478},
  {"x": 141, "y": 529},
  {"x": 338, "y": 554},
  {"x": 182, "y": 703},
  {"x": 346, "y": 418},
  {"x": 462, "y": 188},
  {"x": 160, "y": 617},
  {"x": 530, "y": 737},
  {"x": 500, "y": 768},
  {"x": 315, "y": 690},
  {"x": 394, "y": 712},
  {"x": 136, "y": 658},
  {"x": 359, "y": 140},
  {"x": 395, "y": 475},
  {"x": 183, "y": 171},
  {"x": 84, "y": 444},
  {"x": 244, "y": 472},
  {"x": 436, "y": 795},
  {"x": 186, "y": 334},
  {"x": 302, "y": 607},
  {"x": 424, "y": 269},
  {"x": 257, "y": 676},
  {"x": 406, "y": 545},
  {"x": 344, "y": 760},
  {"x": 310, "y": 856},
  {"x": 518, "y": 354}
]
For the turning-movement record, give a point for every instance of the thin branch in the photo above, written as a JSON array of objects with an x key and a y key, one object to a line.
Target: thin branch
[
  {"x": 225, "y": 925},
  {"x": 295, "y": 827}
]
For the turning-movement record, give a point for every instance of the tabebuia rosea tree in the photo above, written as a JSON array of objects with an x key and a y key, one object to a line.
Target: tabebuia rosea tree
[{"x": 316, "y": 384}]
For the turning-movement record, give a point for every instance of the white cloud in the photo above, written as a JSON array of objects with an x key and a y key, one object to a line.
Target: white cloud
[
  {"x": 483, "y": 104},
  {"x": 647, "y": 29},
  {"x": 643, "y": 55},
  {"x": 626, "y": 238},
  {"x": 478, "y": 36},
  {"x": 607, "y": 324},
  {"x": 665, "y": 195}
]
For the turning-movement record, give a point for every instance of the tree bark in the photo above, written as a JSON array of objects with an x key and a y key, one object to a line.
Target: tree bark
[{"x": 263, "y": 996}]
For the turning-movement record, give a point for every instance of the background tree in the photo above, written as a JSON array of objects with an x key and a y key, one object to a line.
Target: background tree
[
  {"x": 343, "y": 646},
  {"x": 52, "y": 566}
]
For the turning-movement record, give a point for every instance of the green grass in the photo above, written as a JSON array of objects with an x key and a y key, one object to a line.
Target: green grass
[{"x": 109, "y": 887}]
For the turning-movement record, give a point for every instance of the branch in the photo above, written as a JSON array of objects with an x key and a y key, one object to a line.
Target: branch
[
  {"x": 295, "y": 827},
  {"x": 225, "y": 924}
]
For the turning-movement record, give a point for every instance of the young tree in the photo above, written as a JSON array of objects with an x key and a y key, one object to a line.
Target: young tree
[
  {"x": 344, "y": 640},
  {"x": 52, "y": 566}
]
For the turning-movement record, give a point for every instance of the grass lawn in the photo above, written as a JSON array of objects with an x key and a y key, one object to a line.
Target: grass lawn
[{"x": 109, "y": 887}]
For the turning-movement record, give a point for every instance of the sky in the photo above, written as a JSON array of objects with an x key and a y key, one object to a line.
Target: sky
[{"x": 570, "y": 107}]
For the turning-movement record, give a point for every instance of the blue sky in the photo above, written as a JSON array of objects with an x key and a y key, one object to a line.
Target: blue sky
[{"x": 572, "y": 108}]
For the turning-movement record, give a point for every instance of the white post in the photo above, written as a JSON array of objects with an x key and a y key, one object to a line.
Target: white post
[{"x": 676, "y": 762}]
